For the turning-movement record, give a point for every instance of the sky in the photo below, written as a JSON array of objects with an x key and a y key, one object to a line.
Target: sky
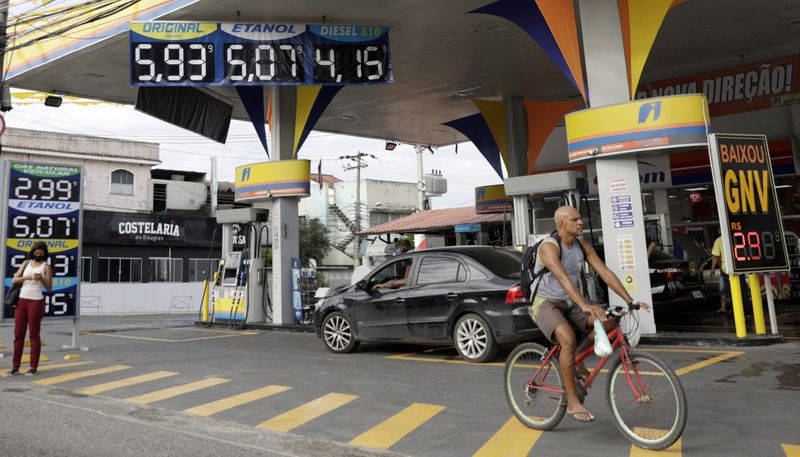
[{"x": 184, "y": 150}]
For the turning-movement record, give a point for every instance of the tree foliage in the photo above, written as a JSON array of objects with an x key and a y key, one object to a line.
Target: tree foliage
[{"x": 314, "y": 243}]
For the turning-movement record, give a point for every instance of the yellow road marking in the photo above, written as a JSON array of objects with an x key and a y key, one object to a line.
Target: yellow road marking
[
  {"x": 392, "y": 430},
  {"x": 791, "y": 450},
  {"x": 215, "y": 407},
  {"x": 307, "y": 412},
  {"x": 27, "y": 343},
  {"x": 51, "y": 367},
  {"x": 723, "y": 355},
  {"x": 513, "y": 439},
  {"x": 164, "y": 394},
  {"x": 674, "y": 450},
  {"x": 105, "y": 387},
  {"x": 705, "y": 363},
  {"x": 167, "y": 340},
  {"x": 81, "y": 374},
  {"x": 26, "y": 358}
]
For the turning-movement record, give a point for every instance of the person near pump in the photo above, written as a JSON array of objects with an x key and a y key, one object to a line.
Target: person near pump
[
  {"x": 717, "y": 256},
  {"x": 403, "y": 246},
  {"x": 34, "y": 275},
  {"x": 559, "y": 309}
]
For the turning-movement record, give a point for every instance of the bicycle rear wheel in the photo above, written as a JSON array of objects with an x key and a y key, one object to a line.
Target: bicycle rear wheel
[
  {"x": 658, "y": 418},
  {"x": 534, "y": 407}
]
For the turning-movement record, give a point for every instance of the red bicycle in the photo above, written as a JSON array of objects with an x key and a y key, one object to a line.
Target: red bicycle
[{"x": 646, "y": 397}]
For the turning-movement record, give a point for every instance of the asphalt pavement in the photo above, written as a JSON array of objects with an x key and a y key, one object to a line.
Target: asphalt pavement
[{"x": 159, "y": 386}]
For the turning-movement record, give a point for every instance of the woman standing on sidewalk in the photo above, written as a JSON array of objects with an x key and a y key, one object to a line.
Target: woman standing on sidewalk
[{"x": 34, "y": 274}]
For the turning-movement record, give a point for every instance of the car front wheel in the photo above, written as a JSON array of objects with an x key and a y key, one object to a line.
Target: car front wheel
[
  {"x": 473, "y": 339},
  {"x": 337, "y": 333}
]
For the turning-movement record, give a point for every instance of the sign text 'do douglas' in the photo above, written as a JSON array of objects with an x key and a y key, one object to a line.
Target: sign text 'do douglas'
[{"x": 747, "y": 202}]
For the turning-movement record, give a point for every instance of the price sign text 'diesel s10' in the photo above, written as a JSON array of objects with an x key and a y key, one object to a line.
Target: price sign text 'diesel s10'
[
  {"x": 211, "y": 53},
  {"x": 44, "y": 204},
  {"x": 752, "y": 230}
]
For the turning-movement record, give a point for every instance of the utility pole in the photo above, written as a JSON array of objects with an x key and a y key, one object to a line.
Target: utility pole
[
  {"x": 359, "y": 164},
  {"x": 420, "y": 180},
  {"x": 5, "y": 92}
]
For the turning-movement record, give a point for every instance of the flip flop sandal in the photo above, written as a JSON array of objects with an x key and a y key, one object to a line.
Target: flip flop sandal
[{"x": 582, "y": 413}]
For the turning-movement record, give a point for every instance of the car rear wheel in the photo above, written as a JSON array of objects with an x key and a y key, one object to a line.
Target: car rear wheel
[
  {"x": 337, "y": 333},
  {"x": 473, "y": 339}
]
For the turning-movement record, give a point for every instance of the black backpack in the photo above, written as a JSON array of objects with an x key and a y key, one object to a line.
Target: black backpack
[{"x": 528, "y": 276}]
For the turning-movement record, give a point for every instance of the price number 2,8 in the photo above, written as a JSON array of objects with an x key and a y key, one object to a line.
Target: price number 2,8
[{"x": 753, "y": 246}]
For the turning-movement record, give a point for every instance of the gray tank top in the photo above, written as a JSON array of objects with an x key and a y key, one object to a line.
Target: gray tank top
[{"x": 572, "y": 261}]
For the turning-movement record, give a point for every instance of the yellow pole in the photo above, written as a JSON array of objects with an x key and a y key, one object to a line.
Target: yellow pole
[
  {"x": 758, "y": 309},
  {"x": 738, "y": 306},
  {"x": 204, "y": 305}
]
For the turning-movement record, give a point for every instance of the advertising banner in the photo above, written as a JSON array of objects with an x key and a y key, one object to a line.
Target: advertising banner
[
  {"x": 765, "y": 84},
  {"x": 492, "y": 199},
  {"x": 279, "y": 178},
  {"x": 639, "y": 126},
  {"x": 148, "y": 229}
]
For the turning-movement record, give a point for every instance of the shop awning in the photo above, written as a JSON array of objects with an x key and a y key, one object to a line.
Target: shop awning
[{"x": 436, "y": 220}]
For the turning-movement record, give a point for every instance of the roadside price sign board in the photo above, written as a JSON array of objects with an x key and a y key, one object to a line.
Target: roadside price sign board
[
  {"x": 44, "y": 204},
  {"x": 750, "y": 218}
]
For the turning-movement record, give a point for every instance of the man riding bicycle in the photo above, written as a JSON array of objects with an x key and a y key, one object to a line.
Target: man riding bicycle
[{"x": 560, "y": 310}]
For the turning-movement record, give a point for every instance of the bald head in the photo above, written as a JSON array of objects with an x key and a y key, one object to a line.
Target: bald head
[
  {"x": 568, "y": 223},
  {"x": 564, "y": 213}
]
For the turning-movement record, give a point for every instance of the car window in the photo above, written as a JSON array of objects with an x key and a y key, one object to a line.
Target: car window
[
  {"x": 501, "y": 262},
  {"x": 395, "y": 270},
  {"x": 434, "y": 270}
]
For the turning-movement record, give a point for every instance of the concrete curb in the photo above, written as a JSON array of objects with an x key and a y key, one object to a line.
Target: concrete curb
[
  {"x": 296, "y": 328},
  {"x": 709, "y": 339}
]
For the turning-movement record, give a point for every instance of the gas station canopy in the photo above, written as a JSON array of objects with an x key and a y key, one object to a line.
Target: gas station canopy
[{"x": 441, "y": 57}]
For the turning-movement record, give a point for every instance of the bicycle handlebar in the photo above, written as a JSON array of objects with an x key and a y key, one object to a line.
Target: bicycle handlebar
[{"x": 620, "y": 311}]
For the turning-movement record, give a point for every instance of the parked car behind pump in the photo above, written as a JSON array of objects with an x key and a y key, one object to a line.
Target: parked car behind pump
[
  {"x": 674, "y": 283},
  {"x": 468, "y": 296}
]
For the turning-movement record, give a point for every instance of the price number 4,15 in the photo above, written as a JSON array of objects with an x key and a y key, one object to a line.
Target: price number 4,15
[
  {"x": 56, "y": 304},
  {"x": 752, "y": 246}
]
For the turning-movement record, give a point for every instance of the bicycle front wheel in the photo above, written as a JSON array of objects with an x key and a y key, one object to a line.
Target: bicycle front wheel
[
  {"x": 657, "y": 418},
  {"x": 537, "y": 402}
]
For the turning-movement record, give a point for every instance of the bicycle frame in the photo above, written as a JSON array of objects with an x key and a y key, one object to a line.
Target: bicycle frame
[{"x": 618, "y": 343}]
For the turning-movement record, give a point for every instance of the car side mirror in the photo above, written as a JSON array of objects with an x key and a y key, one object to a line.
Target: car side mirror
[{"x": 362, "y": 284}]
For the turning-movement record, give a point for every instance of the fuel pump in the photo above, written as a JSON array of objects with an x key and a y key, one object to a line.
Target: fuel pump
[{"x": 239, "y": 292}]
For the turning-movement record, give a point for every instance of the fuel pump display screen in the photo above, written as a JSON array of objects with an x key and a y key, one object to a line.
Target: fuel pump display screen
[{"x": 747, "y": 203}]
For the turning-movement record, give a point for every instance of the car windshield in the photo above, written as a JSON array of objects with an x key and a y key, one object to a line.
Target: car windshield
[{"x": 504, "y": 263}]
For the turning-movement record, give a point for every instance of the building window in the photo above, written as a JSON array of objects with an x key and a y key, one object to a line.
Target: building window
[
  {"x": 202, "y": 269},
  {"x": 86, "y": 269},
  {"x": 119, "y": 269},
  {"x": 159, "y": 197},
  {"x": 164, "y": 269},
  {"x": 121, "y": 182}
]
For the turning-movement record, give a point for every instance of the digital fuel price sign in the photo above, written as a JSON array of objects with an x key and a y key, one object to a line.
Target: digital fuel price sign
[
  {"x": 164, "y": 53},
  {"x": 749, "y": 215},
  {"x": 44, "y": 204}
]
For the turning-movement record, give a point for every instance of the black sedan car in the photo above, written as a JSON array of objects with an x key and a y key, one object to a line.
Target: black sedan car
[{"x": 468, "y": 296}]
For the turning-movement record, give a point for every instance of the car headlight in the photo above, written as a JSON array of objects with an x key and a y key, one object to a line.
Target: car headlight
[{"x": 657, "y": 289}]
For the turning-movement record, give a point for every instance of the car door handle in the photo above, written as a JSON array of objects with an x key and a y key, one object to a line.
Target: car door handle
[
  {"x": 400, "y": 301},
  {"x": 451, "y": 296}
]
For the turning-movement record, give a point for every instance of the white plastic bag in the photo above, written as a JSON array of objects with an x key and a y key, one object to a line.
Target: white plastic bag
[{"x": 602, "y": 347}]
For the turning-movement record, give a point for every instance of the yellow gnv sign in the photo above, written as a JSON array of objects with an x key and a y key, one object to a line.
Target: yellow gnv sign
[
  {"x": 639, "y": 126},
  {"x": 752, "y": 230}
]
